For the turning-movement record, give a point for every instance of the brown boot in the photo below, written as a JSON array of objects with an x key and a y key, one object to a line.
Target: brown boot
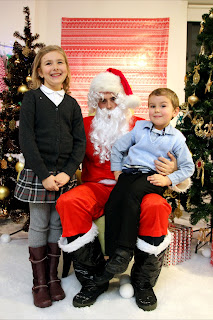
[
  {"x": 38, "y": 258},
  {"x": 56, "y": 291}
]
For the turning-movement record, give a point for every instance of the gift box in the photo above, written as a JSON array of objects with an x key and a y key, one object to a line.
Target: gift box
[{"x": 179, "y": 249}]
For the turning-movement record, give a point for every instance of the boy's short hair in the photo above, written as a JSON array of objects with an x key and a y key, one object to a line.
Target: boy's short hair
[{"x": 167, "y": 93}]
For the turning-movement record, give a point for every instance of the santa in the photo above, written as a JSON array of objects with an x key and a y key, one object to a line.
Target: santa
[{"x": 111, "y": 98}]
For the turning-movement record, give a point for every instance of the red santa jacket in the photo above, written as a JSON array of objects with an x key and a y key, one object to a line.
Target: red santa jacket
[{"x": 92, "y": 169}]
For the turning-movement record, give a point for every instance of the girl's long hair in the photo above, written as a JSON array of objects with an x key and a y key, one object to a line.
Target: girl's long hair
[{"x": 37, "y": 81}]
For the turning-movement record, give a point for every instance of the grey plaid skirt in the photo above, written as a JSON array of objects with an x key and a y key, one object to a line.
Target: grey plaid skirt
[{"x": 30, "y": 189}]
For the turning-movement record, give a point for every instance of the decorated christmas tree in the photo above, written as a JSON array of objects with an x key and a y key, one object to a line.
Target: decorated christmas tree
[
  {"x": 18, "y": 79},
  {"x": 195, "y": 122}
]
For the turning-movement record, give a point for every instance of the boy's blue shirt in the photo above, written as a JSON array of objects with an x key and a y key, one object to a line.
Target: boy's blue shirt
[{"x": 140, "y": 147}]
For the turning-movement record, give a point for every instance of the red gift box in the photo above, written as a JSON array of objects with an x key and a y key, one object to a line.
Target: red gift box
[{"x": 179, "y": 249}]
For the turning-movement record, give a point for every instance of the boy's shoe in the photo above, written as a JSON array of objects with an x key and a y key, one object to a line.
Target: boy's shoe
[{"x": 117, "y": 264}]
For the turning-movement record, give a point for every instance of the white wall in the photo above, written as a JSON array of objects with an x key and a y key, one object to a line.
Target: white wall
[{"x": 46, "y": 21}]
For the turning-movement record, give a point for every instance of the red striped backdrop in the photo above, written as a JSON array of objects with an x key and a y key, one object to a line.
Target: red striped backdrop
[{"x": 137, "y": 47}]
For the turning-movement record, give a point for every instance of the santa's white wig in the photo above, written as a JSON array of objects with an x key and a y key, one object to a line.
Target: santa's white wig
[{"x": 115, "y": 82}]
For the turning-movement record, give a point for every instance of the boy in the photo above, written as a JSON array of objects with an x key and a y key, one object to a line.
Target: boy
[{"x": 132, "y": 160}]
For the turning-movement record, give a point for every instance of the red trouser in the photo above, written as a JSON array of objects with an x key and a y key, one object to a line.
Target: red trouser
[{"x": 80, "y": 206}]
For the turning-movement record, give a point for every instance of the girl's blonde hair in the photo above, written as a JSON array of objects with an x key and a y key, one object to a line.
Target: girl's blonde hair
[
  {"x": 171, "y": 95},
  {"x": 37, "y": 81}
]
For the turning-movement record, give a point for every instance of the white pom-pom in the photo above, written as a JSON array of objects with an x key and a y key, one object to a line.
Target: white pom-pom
[
  {"x": 126, "y": 291},
  {"x": 206, "y": 252},
  {"x": 5, "y": 238},
  {"x": 125, "y": 278}
]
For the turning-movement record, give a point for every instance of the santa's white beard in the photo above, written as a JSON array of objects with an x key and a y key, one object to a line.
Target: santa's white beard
[{"x": 107, "y": 127}]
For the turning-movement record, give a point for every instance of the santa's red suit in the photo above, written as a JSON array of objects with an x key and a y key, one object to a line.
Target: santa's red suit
[{"x": 80, "y": 206}]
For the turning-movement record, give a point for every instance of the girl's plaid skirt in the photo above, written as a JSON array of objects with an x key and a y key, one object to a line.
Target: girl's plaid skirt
[{"x": 30, "y": 189}]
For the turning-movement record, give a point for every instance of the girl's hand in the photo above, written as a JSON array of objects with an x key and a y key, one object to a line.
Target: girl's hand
[
  {"x": 164, "y": 166},
  {"x": 159, "y": 180},
  {"x": 61, "y": 179},
  {"x": 50, "y": 184},
  {"x": 117, "y": 174}
]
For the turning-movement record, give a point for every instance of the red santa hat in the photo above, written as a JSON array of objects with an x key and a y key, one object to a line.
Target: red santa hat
[{"x": 113, "y": 81}]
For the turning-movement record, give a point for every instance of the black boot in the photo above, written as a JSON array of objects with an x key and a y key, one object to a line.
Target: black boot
[
  {"x": 144, "y": 275},
  {"x": 87, "y": 261},
  {"x": 117, "y": 264}
]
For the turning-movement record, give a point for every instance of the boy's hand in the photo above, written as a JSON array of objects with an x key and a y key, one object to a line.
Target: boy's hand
[
  {"x": 50, "y": 184},
  {"x": 117, "y": 174},
  {"x": 61, "y": 179},
  {"x": 164, "y": 166},
  {"x": 159, "y": 180}
]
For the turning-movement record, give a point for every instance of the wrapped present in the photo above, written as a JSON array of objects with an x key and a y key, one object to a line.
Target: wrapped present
[{"x": 179, "y": 249}]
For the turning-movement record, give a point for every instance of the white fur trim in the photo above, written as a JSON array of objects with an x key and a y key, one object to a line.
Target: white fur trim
[
  {"x": 80, "y": 241},
  {"x": 106, "y": 82},
  {"x": 146, "y": 247},
  {"x": 183, "y": 186}
]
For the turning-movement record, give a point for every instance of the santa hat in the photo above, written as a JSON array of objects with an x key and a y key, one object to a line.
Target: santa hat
[{"x": 113, "y": 81}]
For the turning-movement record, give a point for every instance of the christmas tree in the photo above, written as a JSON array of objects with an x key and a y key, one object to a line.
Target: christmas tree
[
  {"x": 18, "y": 79},
  {"x": 195, "y": 122}
]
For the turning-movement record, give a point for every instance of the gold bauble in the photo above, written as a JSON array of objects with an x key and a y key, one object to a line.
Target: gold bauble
[
  {"x": 4, "y": 192},
  {"x": 19, "y": 166},
  {"x": 10, "y": 159},
  {"x": 17, "y": 61},
  {"x": 23, "y": 88},
  {"x": 28, "y": 78},
  {"x": 193, "y": 99}
]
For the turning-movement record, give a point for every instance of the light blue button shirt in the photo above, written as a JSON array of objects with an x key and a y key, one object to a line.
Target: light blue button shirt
[{"x": 139, "y": 148}]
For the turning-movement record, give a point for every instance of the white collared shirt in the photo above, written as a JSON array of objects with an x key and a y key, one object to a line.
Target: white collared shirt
[{"x": 55, "y": 96}]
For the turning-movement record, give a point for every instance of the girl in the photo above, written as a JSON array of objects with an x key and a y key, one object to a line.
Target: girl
[{"x": 52, "y": 139}]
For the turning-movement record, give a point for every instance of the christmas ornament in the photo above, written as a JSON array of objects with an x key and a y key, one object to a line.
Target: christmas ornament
[
  {"x": 204, "y": 235},
  {"x": 4, "y": 192},
  {"x": 200, "y": 166},
  {"x": 209, "y": 132},
  {"x": 201, "y": 26},
  {"x": 185, "y": 80},
  {"x": 19, "y": 167},
  {"x": 178, "y": 212},
  {"x": 22, "y": 88},
  {"x": 186, "y": 111},
  {"x": 198, "y": 124},
  {"x": 211, "y": 56},
  {"x": 196, "y": 76},
  {"x": 188, "y": 205},
  {"x": 3, "y": 213},
  {"x": 10, "y": 158},
  {"x": 202, "y": 50},
  {"x": 193, "y": 99},
  {"x": 209, "y": 83},
  {"x": 2, "y": 127},
  {"x": 126, "y": 291},
  {"x": 26, "y": 51},
  {"x": 28, "y": 78},
  {"x": 12, "y": 124},
  {"x": 3, "y": 164},
  {"x": 211, "y": 15},
  {"x": 17, "y": 61},
  {"x": 206, "y": 252},
  {"x": 5, "y": 238}
]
